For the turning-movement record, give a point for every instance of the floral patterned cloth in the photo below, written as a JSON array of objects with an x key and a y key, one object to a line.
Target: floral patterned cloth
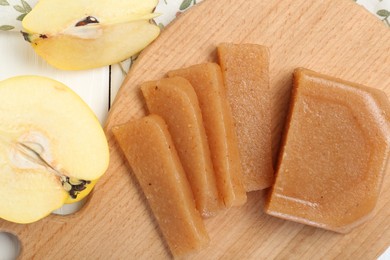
[{"x": 12, "y": 12}]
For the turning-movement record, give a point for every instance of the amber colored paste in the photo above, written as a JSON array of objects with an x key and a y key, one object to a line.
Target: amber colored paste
[
  {"x": 149, "y": 149},
  {"x": 175, "y": 100},
  {"x": 334, "y": 153},
  {"x": 207, "y": 82},
  {"x": 245, "y": 69}
]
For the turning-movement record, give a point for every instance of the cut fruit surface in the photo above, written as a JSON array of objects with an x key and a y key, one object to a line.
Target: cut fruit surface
[
  {"x": 51, "y": 147},
  {"x": 23, "y": 188},
  {"x": 60, "y": 15},
  {"x": 334, "y": 154},
  {"x": 88, "y": 34}
]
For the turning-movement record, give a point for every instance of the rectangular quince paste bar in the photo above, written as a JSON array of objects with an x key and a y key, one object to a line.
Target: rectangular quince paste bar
[
  {"x": 334, "y": 153},
  {"x": 150, "y": 151},
  {"x": 245, "y": 68},
  {"x": 175, "y": 100},
  {"x": 207, "y": 81}
]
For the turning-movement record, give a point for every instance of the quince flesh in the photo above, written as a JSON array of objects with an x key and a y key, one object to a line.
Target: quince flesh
[
  {"x": 84, "y": 34},
  {"x": 52, "y": 148}
]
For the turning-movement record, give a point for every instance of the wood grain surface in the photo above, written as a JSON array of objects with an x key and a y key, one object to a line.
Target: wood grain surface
[{"x": 335, "y": 37}]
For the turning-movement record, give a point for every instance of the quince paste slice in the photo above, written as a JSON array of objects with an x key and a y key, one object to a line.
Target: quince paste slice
[
  {"x": 334, "y": 153},
  {"x": 150, "y": 151},
  {"x": 207, "y": 81},
  {"x": 175, "y": 100},
  {"x": 245, "y": 69}
]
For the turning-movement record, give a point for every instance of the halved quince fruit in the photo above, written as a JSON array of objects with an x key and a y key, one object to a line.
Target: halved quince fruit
[
  {"x": 75, "y": 34},
  {"x": 52, "y": 148}
]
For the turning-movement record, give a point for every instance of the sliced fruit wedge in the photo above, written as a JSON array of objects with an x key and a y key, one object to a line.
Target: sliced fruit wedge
[{"x": 76, "y": 35}]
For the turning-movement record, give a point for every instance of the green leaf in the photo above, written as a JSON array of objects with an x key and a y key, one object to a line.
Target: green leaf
[
  {"x": 383, "y": 13},
  {"x": 4, "y": 2},
  {"x": 19, "y": 8},
  {"x": 20, "y": 17},
  {"x": 6, "y": 27},
  {"x": 185, "y": 4},
  {"x": 27, "y": 7}
]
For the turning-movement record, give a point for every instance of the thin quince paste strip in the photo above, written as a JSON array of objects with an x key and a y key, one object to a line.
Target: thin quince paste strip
[
  {"x": 334, "y": 153},
  {"x": 206, "y": 79},
  {"x": 176, "y": 102},
  {"x": 245, "y": 69},
  {"x": 150, "y": 151}
]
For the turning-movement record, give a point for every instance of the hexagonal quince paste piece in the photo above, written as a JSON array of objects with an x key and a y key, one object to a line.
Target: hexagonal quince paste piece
[{"x": 334, "y": 153}]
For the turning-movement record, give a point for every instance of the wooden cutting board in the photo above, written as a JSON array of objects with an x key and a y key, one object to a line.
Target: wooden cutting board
[{"x": 335, "y": 37}]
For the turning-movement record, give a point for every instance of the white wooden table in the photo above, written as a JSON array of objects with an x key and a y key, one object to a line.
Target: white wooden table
[{"x": 98, "y": 87}]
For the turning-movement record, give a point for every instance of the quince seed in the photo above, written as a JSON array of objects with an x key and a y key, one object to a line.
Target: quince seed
[
  {"x": 79, "y": 187},
  {"x": 86, "y": 21},
  {"x": 74, "y": 181},
  {"x": 67, "y": 186}
]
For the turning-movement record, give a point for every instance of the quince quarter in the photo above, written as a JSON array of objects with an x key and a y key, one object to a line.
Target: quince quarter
[
  {"x": 52, "y": 148},
  {"x": 334, "y": 153},
  {"x": 77, "y": 35}
]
